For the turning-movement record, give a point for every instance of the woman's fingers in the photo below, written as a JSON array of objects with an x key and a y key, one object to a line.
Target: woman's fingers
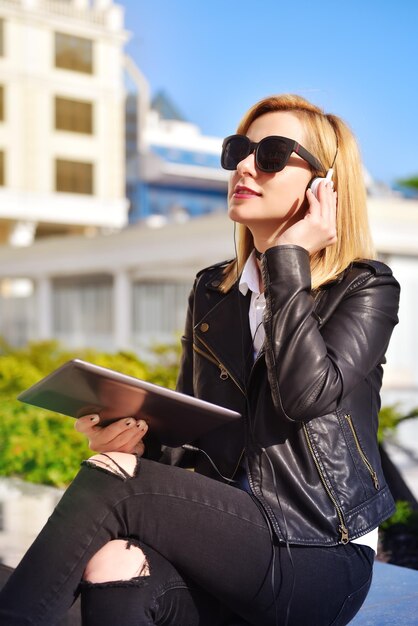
[
  {"x": 124, "y": 441},
  {"x": 86, "y": 423},
  {"x": 317, "y": 229},
  {"x": 314, "y": 203},
  {"x": 90, "y": 424},
  {"x": 123, "y": 435},
  {"x": 327, "y": 201}
]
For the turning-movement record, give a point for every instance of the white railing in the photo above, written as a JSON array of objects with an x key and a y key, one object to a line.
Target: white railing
[{"x": 63, "y": 9}]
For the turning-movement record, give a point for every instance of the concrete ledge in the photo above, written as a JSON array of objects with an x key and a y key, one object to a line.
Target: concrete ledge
[{"x": 392, "y": 599}]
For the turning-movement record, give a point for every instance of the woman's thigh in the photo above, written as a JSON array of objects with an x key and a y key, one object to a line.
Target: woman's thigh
[
  {"x": 214, "y": 534},
  {"x": 217, "y": 537}
]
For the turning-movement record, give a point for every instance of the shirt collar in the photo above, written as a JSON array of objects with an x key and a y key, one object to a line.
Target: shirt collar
[{"x": 250, "y": 276}]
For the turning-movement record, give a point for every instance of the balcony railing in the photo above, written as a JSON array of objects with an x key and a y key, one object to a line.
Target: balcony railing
[{"x": 61, "y": 8}]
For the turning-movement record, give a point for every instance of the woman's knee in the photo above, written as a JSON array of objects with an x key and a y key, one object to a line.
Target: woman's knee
[
  {"x": 119, "y": 559},
  {"x": 122, "y": 464}
]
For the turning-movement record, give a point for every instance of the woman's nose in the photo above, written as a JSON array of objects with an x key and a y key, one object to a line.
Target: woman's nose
[{"x": 247, "y": 166}]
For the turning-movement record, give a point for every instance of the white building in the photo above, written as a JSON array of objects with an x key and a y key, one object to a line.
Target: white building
[
  {"x": 173, "y": 170},
  {"x": 62, "y": 158},
  {"x": 127, "y": 289}
]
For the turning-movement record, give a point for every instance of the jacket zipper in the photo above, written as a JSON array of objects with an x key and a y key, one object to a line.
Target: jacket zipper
[
  {"x": 224, "y": 373},
  {"x": 342, "y": 527},
  {"x": 361, "y": 453},
  {"x": 238, "y": 464}
]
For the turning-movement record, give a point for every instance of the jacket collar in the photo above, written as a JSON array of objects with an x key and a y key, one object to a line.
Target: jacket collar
[
  {"x": 250, "y": 276},
  {"x": 227, "y": 319}
]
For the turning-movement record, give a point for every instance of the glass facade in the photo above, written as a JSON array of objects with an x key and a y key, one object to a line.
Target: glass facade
[
  {"x": 170, "y": 201},
  {"x": 131, "y": 126},
  {"x": 73, "y": 115},
  {"x": 74, "y": 176},
  {"x": 187, "y": 157},
  {"x": 73, "y": 53}
]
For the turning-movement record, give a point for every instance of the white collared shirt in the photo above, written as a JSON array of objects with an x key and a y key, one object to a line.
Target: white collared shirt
[{"x": 250, "y": 280}]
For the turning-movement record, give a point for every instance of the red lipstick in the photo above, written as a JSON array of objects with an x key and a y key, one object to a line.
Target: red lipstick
[{"x": 241, "y": 191}]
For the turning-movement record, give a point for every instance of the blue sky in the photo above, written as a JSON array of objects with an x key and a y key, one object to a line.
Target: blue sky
[{"x": 357, "y": 59}]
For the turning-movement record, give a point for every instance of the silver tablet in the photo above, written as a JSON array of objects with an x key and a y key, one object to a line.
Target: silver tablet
[{"x": 78, "y": 388}]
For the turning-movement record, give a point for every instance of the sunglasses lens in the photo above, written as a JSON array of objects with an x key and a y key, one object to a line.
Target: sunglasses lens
[
  {"x": 272, "y": 154},
  {"x": 234, "y": 150}
]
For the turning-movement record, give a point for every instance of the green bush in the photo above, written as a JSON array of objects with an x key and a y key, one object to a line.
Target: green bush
[
  {"x": 404, "y": 515},
  {"x": 389, "y": 418},
  {"x": 38, "y": 445},
  {"x": 41, "y": 446}
]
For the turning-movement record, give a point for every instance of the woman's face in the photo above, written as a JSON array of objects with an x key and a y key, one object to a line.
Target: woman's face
[{"x": 269, "y": 201}]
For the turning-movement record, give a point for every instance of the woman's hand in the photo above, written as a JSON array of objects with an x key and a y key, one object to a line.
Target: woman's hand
[
  {"x": 317, "y": 229},
  {"x": 124, "y": 435}
]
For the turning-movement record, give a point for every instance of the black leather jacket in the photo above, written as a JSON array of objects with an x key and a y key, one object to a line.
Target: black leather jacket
[{"x": 310, "y": 401}]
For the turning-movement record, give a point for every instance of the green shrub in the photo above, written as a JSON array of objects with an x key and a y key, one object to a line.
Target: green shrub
[
  {"x": 16, "y": 375},
  {"x": 390, "y": 417},
  {"x": 405, "y": 519},
  {"x": 41, "y": 446},
  {"x": 38, "y": 445}
]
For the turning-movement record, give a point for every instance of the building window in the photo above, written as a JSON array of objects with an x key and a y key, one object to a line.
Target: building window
[
  {"x": 1, "y": 37},
  {"x": 82, "y": 310},
  {"x": 73, "y": 115},
  {"x": 74, "y": 176},
  {"x": 1, "y": 103},
  {"x": 73, "y": 53},
  {"x": 2, "y": 177},
  {"x": 159, "y": 309}
]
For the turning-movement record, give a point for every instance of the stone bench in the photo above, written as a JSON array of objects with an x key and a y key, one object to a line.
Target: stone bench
[{"x": 392, "y": 599}]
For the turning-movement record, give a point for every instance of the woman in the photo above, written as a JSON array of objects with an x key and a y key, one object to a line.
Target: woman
[{"x": 278, "y": 523}]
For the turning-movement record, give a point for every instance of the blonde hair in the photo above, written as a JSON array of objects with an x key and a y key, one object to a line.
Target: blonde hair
[{"x": 323, "y": 133}]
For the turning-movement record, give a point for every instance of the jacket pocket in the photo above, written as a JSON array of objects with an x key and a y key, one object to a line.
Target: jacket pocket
[
  {"x": 363, "y": 457},
  {"x": 342, "y": 528}
]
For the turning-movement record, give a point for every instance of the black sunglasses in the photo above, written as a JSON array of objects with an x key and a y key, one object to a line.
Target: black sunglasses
[{"x": 271, "y": 153}]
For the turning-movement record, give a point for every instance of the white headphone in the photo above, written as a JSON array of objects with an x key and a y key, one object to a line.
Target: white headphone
[{"x": 314, "y": 185}]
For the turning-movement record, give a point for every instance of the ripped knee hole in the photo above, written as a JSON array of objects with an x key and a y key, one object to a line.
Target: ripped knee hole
[
  {"x": 118, "y": 560},
  {"x": 121, "y": 464}
]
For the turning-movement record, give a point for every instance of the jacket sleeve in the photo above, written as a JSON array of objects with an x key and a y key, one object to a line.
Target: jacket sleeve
[
  {"x": 178, "y": 456},
  {"x": 185, "y": 375},
  {"x": 310, "y": 369}
]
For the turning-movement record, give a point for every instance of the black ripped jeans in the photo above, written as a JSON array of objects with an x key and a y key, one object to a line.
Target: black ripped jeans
[{"x": 212, "y": 560}]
